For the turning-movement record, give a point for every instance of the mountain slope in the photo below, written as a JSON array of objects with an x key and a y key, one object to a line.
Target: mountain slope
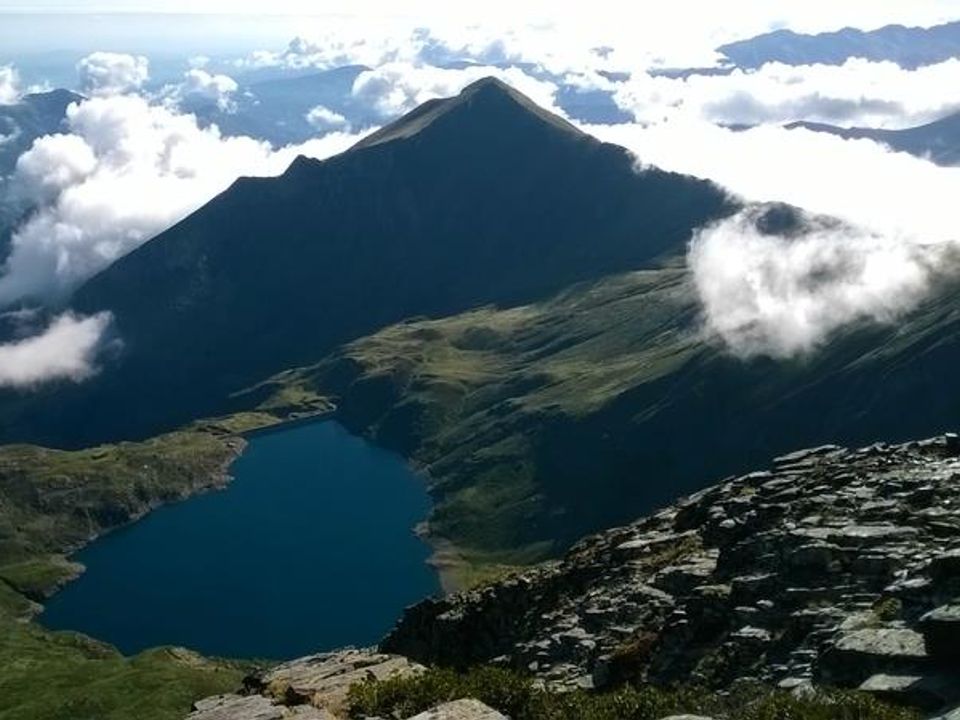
[
  {"x": 482, "y": 198},
  {"x": 542, "y": 423},
  {"x": 938, "y": 141},
  {"x": 909, "y": 47}
]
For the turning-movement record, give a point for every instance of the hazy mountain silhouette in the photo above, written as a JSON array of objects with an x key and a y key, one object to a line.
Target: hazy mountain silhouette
[
  {"x": 938, "y": 141},
  {"x": 909, "y": 47}
]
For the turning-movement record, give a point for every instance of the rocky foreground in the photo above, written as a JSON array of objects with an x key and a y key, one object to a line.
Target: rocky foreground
[
  {"x": 315, "y": 688},
  {"x": 835, "y": 567}
]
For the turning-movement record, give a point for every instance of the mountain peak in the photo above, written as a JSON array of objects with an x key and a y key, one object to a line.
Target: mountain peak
[{"x": 476, "y": 108}]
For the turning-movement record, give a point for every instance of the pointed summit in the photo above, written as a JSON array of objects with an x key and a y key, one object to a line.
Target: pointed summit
[{"x": 483, "y": 106}]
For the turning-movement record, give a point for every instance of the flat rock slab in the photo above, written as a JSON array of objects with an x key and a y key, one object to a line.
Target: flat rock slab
[
  {"x": 927, "y": 692},
  {"x": 324, "y": 680},
  {"x": 882, "y": 644},
  {"x": 461, "y": 710},
  {"x": 949, "y": 715},
  {"x": 252, "y": 707},
  {"x": 235, "y": 707}
]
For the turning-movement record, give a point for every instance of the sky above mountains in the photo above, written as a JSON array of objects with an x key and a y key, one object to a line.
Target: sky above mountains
[{"x": 672, "y": 30}]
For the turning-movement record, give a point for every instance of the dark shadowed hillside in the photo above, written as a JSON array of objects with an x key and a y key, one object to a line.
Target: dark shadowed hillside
[{"x": 482, "y": 198}]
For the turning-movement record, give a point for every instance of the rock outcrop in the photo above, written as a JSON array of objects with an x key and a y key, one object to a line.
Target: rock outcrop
[
  {"x": 310, "y": 688},
  {"x": 835, "y": 566},
  {"x": 461, "y": 710}
]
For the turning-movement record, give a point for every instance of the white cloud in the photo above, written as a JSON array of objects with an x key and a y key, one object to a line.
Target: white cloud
[
  {"x": 858, "y": 181},
  {"x": 106, "y": 73},
  {"x": 324, "y": 119},
  {"x": 859, "y": 92},
  {"x": 127, "y": 171},
  {"x": 781, "y": 297},
  {"x": 9, "y": 85},
  {"x": 327, "y": 50},
  {"x": 198, "y": 83},
  {"x": 765, "y": 294},
  {"x": 398, "y": 87},
  {"x": 66, "y": 350},
  {"x": 53, "y": 164}
]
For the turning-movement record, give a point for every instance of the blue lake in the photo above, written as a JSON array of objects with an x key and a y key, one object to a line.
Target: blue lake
[{"x": 311, "y": 547}]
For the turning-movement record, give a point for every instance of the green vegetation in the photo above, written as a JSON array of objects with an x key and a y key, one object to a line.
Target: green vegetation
[
  {"x": 521, "y": 699},
  {"x": 55, "y": 676}
]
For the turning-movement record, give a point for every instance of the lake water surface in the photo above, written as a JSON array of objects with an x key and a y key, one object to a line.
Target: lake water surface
[{"x": 310, "y": 548}]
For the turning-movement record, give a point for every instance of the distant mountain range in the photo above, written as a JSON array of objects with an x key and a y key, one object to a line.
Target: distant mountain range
[
  {"x": 938, "y": 141},
  {"x": 909, "y": 47}
]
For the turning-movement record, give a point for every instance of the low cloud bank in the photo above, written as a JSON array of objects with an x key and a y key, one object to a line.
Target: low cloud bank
[
  {"x": 781, "y": 296},
  {"x": 859, "y": 92},
  {"x": 66, "y": 350}
]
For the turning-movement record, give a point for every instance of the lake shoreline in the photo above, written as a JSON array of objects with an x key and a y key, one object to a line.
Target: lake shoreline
[{"x": 343, "y": 526}]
